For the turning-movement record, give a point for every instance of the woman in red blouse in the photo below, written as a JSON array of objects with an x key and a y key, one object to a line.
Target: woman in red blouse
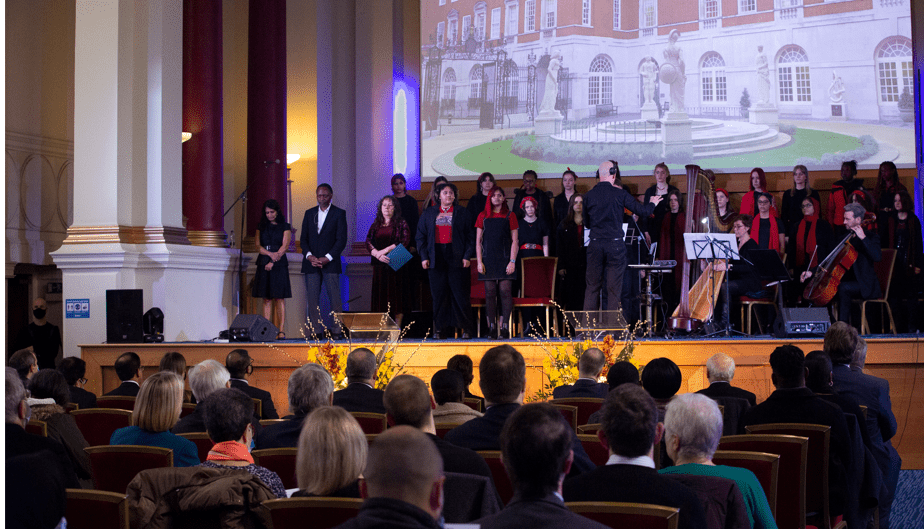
[
  {"x": 387, "y": 232},
  {"x": 495, "y": 242},
  {"x": 758, "y": 185}
]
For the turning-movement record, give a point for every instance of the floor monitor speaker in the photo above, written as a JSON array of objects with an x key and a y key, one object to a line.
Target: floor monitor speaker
[
  {"x": 252, "y": 328},
  {"x": 802, "y": 321}
]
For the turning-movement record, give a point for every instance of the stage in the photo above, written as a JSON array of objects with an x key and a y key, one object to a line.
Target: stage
[{"x": 896, "y": 359}]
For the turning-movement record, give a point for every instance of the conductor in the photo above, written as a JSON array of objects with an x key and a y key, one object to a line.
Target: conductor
[{"x": 604, "y": 205}]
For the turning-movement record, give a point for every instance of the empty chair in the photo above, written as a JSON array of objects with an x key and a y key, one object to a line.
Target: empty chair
[
  {"x": 97, "y": 424},
  {"x": 114, "y": 467},
  {"x": 118, "y": 402},
  {"x": 538, "y": 287},
  {"x": 279, "y": 460},
  {"x": 324, "y": 513},
  {"x": 370, "y": 422},
  {"x": 96, "y": 509},
  {"x": 586, "y": 406},
  {"x": 635, "y": 515}
]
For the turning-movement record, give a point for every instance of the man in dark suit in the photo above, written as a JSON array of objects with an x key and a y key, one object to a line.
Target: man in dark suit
[
  {"x": 631, "y": 431},
  {"x": 792, "y": 402},
  {"x": 463, "y": 364},
  {"x": 535, "y": 446},
  {"x": 720, "y": 369},
  {"x": 128, "y": 369},
  {"x": 323, "y": 239},
  {"x": 590, "y": 366},
  {"x": 872, "y": 392},
  {"x": 240, "y": 366},
  {"x": 73, "y": 369},
  {"x": 310, "y": 387},
  {"x": 360, "y": 395},
  {"x": 503, "y": 381}
]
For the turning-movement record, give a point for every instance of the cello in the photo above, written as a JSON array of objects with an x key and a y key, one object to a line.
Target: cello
[{"x": 824, "y": 284}]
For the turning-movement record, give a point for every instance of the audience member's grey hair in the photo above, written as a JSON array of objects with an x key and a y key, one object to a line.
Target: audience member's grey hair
[
  {"x": 696, "y": 420},
  {"x": 720, "y": 366},
  {"x": 859, "y": 354},
  {"x": 310, "y": 387},
  {"x": 361, "y": 364},
  {"x": 206, "y": 377},
  {"x": 15, "y": 393},
  {"x": 858, "y": 210}
]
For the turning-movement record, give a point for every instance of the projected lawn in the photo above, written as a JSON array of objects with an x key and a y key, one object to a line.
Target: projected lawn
[{"x": 497, "y": 158}]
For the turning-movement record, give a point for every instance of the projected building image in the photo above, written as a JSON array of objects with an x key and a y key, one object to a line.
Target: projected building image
[{"x": 726, "y": 84}]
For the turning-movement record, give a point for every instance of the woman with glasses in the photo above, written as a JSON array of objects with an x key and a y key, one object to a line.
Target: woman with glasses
[
  {"x": 810, "y": 241},
  {"x": 767, "y": 228}
]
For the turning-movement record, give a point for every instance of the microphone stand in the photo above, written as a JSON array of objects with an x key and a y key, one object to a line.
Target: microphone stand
[{"x": 242, "y": 198}]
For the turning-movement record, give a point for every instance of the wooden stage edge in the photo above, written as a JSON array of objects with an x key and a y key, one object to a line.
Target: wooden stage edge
[{"x": 896, "y": 359}]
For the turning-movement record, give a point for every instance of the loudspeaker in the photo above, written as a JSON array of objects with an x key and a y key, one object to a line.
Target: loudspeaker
[
  {"x": 252, "y": 328},
  {"x": 802, "y": 321},
  {"x": 123, "y": 316}
]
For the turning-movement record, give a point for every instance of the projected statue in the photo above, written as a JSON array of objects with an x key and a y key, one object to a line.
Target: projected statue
[
  {"x": 837, "y": 89},
  {"x": 649, "y": 72},
  {"x": 551, "y": 84},
  {"x": 674, "y": 72},
  {"x": 763, "y": 78}
]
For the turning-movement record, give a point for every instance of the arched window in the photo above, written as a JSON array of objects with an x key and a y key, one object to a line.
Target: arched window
[
  {"x": 449, "y": 84},
  {"x": 712, "y": 72},
  {"x": 792, "y": 72},
  {"x": 600, "y": 81},
  {"x": 475, "y": 82},
  {"x": 894, "y": 67}
]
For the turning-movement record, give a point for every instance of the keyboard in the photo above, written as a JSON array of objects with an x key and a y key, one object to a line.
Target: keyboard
[{"x": 667, "y": 263}]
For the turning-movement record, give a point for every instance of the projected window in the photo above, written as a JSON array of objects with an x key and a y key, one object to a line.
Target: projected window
[
  {"x": 530, "y": 15},
  {"x": 550, "y": 13},
  {"x": 466, "y": 27},
  {"x": 648, "y": 16},
  {"x": 512, "y": 22},
  {"x": 585, "y": 13},
  {"x": 709, "y": 13},
  {"x": 440, "y": 31},
  {"x": 475, "y": 83},
  {"x": 480, "y": 15},
  {"x": 600, "y": 82},
  {"x": 449, "y": 88},
  {"x": 453, "y": 28},
  {"x": 495, "y": 23},
  {"x": 747, "y": 6},
  {"x": 616, "y": 14},
  {"x": 893, "y": 60},
  {"x": 712, "y": 72},
  {"x": 793, "y": 76}
]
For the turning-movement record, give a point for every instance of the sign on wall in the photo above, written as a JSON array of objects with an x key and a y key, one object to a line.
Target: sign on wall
[{"x": 77, "y": 308}]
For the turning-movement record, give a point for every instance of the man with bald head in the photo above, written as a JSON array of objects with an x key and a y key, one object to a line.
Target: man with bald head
[
  {"x": 604, "y": 206},
  {"x": 720, "y": 369},
  {"x": 42, "y": 336},
  {"x": 360, "y": 394},
  {"x": 590, "y": 366},
  {"x": 402, "y": 484}
]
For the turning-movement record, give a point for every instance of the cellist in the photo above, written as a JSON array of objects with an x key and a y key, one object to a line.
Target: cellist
[{"x": 860, "y": 281}]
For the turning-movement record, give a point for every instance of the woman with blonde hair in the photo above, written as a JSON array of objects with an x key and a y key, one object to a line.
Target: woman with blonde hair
[
  {"x": 332, "y": 453},
  {"x": 157, "y": 410}
]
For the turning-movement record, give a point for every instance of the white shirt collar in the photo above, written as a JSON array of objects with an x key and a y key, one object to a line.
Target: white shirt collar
[{"x": 641, "y": 461}]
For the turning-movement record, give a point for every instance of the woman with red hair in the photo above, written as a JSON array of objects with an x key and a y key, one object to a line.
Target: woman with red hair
[
  {"x": 726, "y": 213},
  {"x": 758, "y": 185},
  {"x": 496, "y": 247}
]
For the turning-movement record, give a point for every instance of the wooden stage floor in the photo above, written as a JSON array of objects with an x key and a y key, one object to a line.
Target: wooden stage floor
[{"x": 896, "y": 359}]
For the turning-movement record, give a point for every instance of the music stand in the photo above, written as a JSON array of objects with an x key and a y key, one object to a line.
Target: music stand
[{"x": 714, "y": 246}]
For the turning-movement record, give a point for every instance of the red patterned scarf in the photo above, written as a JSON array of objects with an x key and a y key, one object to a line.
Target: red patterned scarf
[
  {"x": 230, "y": 451},
  {"x": 804, "y": 245}
]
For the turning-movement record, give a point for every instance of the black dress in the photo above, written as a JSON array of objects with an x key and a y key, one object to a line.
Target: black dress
[
  {"x": 572, "y": 257},
  {"x": 496, "y": 239},
  {"x": 275, "y": 283}
]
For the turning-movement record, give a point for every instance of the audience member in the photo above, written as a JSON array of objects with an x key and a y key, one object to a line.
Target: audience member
[
  {"x": 19, "y": 443},
  {"x": 157, "y": 409},
  {"x": 332, "y": 451},
  {"x": 407, "y": 402},
  {"x": 229, "y": 423},
  {"x": 858, "y": 362},
  {"x": 536, "y": 450},
  {"x": 661, "y": 378},
  {"x": 402, "y": 484},
  {"x": 463, "y": 364},
  {"x": 872, "y": 392},
  {"x": 503, "y": 380},
  {"x": 25, "y": 364},
  {"x": 48, "y": 402},
  {"x": 128, "y": 369},
  {"x": 631, "y": 432},
  {"x": 692, "y": 429},
  {"x": 205, "y": 378},
  {"x": 590, "y": 366},
  {"x": 449, "y": 392},
  {"x": 39, "y": 497},
  {"x": 74, "y": 369},
  {"x": 720, "y": 369},
  {"x": 792, "y": 402},
  {"x": 42, "y": 336},
  {"x": 819, "y": 378},
  {"x": 176, "y": 363},
  {"x": 360, "y": 394},
  {"x": 310, "y": 387},
  {"x": 620, "y": 373},
  {"x": 240, "y": 366}
]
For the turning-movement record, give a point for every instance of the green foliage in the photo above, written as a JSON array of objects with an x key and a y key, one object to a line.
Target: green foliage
[
  {"x": 745, "y": 102},
  {"x": 905, "y": 101}
]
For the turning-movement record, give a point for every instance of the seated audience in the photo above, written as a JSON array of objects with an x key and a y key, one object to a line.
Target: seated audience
[
  {"x": 819, "y": 378},
  {"x": 360, "y": 394},
  {"x": 39, "y": 497},
  {"x": 240, "y": 366},
  {"x": 720, "y": 369},
  {"x": 402, "y": 483},
  {"x": 25, "y": 363},
  {"x": 536, "y": 450},
  {"x": 205, "y": 378},
  {"x": 463, "y": 364},
  {"x": 74, "y": 369},
  {"x": 128, "y": 369},
  {"x": 620, "y": 373},
  {"x": 503, "y": 381},
  {"x": 49, "y": 398},
  {"x": 590, "y": 366},
  {"x": 332, "y": 452},
  {"x": 176, "y": 363},
  {"x": 692, "y": 430},
  {"x": 157, "y": 409},
  {"x": 631, "y": 432},
  {"x": 449, "y": 392},
  {"x": 661, "y": 378},
  {"x": 310, "y": 387},
  {"x": 228, "y": 420}
]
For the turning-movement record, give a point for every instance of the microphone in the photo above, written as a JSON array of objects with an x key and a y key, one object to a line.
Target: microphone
[{"x": 268, "y": 163}]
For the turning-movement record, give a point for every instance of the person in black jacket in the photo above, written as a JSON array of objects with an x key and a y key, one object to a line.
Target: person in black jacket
[
  {"x": 240, "y": 366},
  {"x": 128, "y": 369},
  {"x": 74, "y": 369},
  {"x": 477, "y": 203},
  {"x": 360, "y": 395},
  {"x": 323, "y": 238},
  {"x": 572, "y": 256},
  {"x": 310, "y": 387}
]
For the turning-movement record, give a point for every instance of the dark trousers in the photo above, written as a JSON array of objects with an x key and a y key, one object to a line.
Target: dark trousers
[
  {"x": 847, "y": 291},
  {"x": 605, "y": 258},
  {"x": 450, "y": 286}
]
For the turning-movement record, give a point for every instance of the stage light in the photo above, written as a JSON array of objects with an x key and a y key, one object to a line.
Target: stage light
[
  {"x": 400, "y": 132},
  {"x": 153, "y": 324}
]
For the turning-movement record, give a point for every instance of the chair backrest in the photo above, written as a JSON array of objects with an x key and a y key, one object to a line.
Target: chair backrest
[
  {"x": 279, "y": 460},
  {"x": 469, "y": 497},
  {"x": 473, "y": 403},
  {"x": 589, "y": 428},
  {"x": 765, "y": 466},
  {"x": 37, "y": 427},
  {"x": 586, "y": 406},
  {"x": 258, "y": 407},
  {"x": 570, "y": 413},
  {"x": 96, "y": 509},
  {"x": 71, "y": 406},
  {"x": 477, "y": 291},
  {"x": 733, "y": 409},
  {"x": 269, "y": 422},
  {"x": 865, "y": 410},
  {"x": 884, "y": 269},
  {"x": 114, "y": 467},
  {"x": 442, "y": 429},
  {"x": 370, "y": 422},
  {"x": 202, "y": 441},
  {"x": 538, "y": 277},
  {"x": 635, "y": 515},
  {"x": 501, "y": 480},
  {"x": 793, "y": 452},
  {"x": 187, "y": 409},
  {"x": 97, "y": 424},
  {"x": 119, "y": 402},
  {"x": 819, "y": 442},
  {"x": 324, "y": 513},
  {"x": 598, "y": 453},
  {"x": 370, "y": 438}
]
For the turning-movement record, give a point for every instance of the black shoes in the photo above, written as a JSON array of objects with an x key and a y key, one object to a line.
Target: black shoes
[{"x": 504, "y": 333}]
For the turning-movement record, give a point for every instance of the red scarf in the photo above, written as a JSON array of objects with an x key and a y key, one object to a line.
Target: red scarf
[
  {"x": 774, "y": 232},
  {"x": 230, "y": 451},
  {"x": 804, "y": 245}
]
